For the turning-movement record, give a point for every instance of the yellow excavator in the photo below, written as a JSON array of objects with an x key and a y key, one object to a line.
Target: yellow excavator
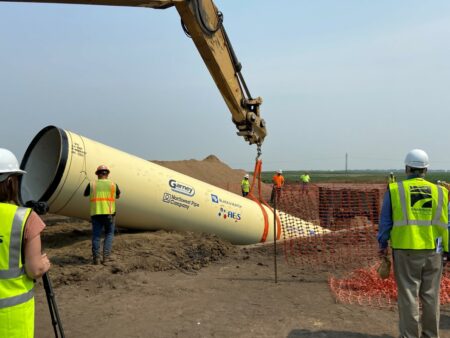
[{"x": 203, "y": 22}]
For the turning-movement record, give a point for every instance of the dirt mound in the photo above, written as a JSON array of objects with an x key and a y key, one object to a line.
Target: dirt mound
[
  {"x": 213, "y": 171},
  {"x": 68, "y": 242}
]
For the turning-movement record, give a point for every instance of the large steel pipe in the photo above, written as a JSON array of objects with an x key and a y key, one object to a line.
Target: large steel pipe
[{"x": 60, "y": 164}]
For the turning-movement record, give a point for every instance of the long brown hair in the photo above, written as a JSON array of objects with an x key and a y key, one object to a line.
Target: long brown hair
[{"x": 9, "y": 190}]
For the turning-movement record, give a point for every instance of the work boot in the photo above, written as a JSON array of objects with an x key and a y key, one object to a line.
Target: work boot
[
  {"x": 96, "y": 260},
  {"x": 107, "y": 259}
]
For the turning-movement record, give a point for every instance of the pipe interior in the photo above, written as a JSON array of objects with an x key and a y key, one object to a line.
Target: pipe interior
[{"x": 41, "y": 162}]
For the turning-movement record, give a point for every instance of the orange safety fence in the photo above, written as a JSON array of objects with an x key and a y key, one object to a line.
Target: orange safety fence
[
  {"x": 365, "y": 287},
  {"x": 341, "y": 238}
]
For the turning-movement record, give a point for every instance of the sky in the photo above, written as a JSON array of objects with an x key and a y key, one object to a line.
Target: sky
[{"x": 366, "y": 78}]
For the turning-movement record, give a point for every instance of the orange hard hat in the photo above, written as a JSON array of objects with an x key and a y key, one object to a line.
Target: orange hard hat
[{"x": 101, "y": 168}]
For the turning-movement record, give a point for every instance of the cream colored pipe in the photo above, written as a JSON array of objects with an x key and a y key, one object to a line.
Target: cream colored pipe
[{"x": 60, "y": 164}]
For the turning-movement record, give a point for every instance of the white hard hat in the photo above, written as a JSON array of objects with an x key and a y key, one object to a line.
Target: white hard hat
[
  {"x": 279, "y": 171},
  {"x": 417, "y": 158},
  {"x": 246, "y": 176},
  {"x": 8, "y": 164}
]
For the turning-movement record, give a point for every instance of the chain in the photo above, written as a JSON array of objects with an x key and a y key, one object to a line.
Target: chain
[{"x": 258, "y": 152}]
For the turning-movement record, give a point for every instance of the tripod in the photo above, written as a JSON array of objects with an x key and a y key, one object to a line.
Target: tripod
[
  {"x": 56, "y": 321},
  {"x": 41, "y": 208}
]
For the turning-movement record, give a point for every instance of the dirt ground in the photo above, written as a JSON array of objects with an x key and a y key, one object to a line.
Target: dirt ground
[
  {"x": 164, "y": 284},
  {"x": 171, "y": 284}
]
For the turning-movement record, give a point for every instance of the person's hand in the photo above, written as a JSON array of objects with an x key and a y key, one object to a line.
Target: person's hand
[
  {"x": 444, "y": 184},
  {"x": 45, "y": 263},
  {"x": 383, "y": 252}
]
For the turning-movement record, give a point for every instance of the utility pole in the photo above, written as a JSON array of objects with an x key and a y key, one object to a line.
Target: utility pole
[{"x": 346, "y": 163}]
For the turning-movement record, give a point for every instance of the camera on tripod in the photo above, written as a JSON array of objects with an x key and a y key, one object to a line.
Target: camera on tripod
[{"x": 41, "y": 208}]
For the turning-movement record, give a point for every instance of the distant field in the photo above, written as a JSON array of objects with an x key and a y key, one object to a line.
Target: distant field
[{"x": 353, "y": 176}]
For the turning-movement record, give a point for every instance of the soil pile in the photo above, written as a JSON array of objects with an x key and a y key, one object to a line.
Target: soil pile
[
  {"x": 67, "y": 242},
  {"x": 213, "y": 171}
]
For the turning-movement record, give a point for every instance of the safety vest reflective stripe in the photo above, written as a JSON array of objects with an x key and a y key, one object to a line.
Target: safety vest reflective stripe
[
  {"x": 14, "y": 246},
  {"x": 16, "y": 300},
  {"x": 16, "y": 237},
  {"x": 436, "y": 219},
  {"x": 437, "y": 216},
  {"x": 12, "y": 273}
]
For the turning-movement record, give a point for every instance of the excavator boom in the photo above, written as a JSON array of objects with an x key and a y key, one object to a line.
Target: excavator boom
[{"x": 202, "y": 21}]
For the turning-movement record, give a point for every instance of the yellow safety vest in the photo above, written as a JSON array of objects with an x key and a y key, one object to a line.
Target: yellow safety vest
[
  {"x": 103, "y": 197},
  {"x": 391, "y": 179},
  {"x": 245, "y": 185},
  {"x": 420, "y": 215},
  {"x": 305, "y": 178},
  {"x": 16, "y": 288}
]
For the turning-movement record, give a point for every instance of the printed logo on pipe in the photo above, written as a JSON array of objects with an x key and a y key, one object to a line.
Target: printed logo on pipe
[
  {"x": 217, "y": 199},
  {"x": 179, "y": 201},
  {"x": 181, "y": 188},
  {"x": 228, "y": 214}
]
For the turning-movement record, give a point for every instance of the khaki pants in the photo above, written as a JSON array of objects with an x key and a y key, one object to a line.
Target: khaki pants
[{"x": 418, "y": 275}]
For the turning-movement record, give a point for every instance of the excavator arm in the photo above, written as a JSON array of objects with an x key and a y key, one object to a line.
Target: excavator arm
[{"x": 202, "y": 21}]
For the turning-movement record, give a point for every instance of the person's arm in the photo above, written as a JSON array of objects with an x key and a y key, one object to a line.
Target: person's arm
[
  {"x": 117, "y": 192},
  {"x": 87, "y": 191},
  {"x": 36, "y": 263},
  {"x": 446, "y": 255},
  {"x": 386, "y": 223}
]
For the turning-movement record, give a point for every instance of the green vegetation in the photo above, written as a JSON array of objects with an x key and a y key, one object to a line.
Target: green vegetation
[{"x": 352, "y": 176}]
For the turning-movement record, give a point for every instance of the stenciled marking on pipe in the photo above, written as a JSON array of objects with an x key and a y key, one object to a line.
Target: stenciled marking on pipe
[{"x": 78, "y": 149}]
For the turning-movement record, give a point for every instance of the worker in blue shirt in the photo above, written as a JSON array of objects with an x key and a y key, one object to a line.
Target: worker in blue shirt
[{"x": 414, "y": 219}]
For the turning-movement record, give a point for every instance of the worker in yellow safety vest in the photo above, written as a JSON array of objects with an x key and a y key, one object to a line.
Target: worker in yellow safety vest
[
  {"x": 414, "y": 218},
  {"x": 245, "y": 185},
  {"x": 102, "y": 196},
  {"x": 305, "y": 179},
  {"x": 391, "y": 178},
  {"x": 21, "y": 260}
]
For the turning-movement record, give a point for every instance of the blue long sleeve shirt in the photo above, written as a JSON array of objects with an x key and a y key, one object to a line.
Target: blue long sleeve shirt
[{"x": 386, "y": 223}]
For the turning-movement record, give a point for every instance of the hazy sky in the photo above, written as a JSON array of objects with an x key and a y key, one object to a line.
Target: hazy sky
[{"x": 363, "y": 77}]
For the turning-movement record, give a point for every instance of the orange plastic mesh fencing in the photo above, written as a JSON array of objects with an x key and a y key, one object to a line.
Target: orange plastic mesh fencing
[
  {"x": 343, "y": 224},
  {"x": 365, "y": 287},
  {"x": 339, "y": 236}
]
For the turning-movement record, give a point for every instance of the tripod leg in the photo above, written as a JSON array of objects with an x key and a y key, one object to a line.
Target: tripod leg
[{"x": 56, "y": 321}]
